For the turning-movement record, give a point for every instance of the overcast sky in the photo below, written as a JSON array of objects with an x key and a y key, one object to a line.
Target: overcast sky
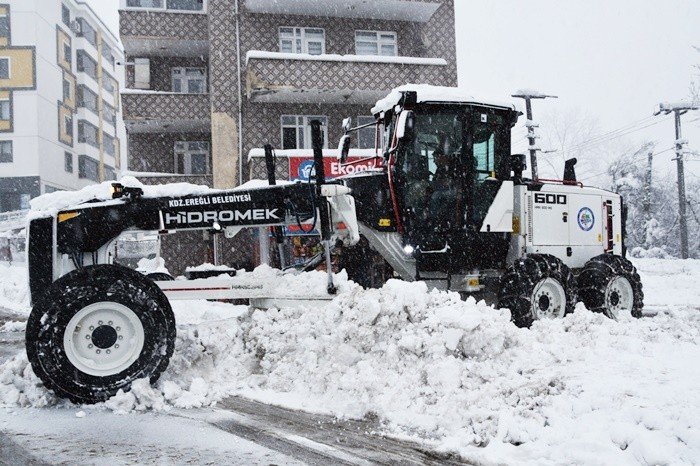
[{"x": 612, "y": 59}]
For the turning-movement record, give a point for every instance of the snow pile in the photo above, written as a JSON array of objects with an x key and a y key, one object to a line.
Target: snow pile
[
  {"x": 453, "y": 373},
  {"x": 14, "y": 287}
]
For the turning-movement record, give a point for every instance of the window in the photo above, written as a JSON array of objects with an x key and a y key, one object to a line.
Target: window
[
  {"x": 88, "y": 168},
  {"x": 68, "y": 125},
  {"x": 65, "y": 15},
  {"x": 68, "y": 162},
  {"x": 108, "y": 83},
  {"x": 303, "y": 40},
  {"x": 192, "y": 157},
  {"x": 175, "y": 5},
  {"x": 110, "y": 174},
  {"x": 366, "y": 136},
  {"x": 5, "y": 151},
  {"x": 108, "y": 143},
  {"x": 86, "y": 64},
  {"x": 4, "y": 68},
  {"x": 375, "y": 43},
  {"x": 144, "y": 3},
  {"x": 5, "y": 25},
  {"x": 189, "y": 80},
  {"x": 87, "y": 31},
  {"x": 67, "y": 53},
  {"x": 87, "y": 99},
  {"x": 87, "y": 133},
  {"x": 5, "y": 109},
  {"x": 296, "y": 131},
  {"x": 67, "y": 90},
  {"x": 186, "y": 5},
  {"x": 107, "y": 54},
  {"x": 108, "y": 113}
]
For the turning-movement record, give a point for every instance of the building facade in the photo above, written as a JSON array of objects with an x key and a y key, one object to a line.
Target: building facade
[
  {"x": 210, "y": 82},
  {"x": 60, "y": 111}
]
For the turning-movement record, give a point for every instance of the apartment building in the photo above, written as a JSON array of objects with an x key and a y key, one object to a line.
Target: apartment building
[
  {"x": 60, "y": 112},
  {"x": 210, "y": 82}
]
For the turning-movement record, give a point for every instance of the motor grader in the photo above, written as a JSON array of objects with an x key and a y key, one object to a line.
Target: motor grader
[{"x": 445, "y": 202}]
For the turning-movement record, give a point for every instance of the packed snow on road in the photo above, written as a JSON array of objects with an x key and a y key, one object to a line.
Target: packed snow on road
[{"x": 455, "y": 375}]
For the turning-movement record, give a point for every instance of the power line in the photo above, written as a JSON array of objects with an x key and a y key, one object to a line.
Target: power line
[
  {"x": 613, "y": 135},
  {"x": 637, "y": 156}
]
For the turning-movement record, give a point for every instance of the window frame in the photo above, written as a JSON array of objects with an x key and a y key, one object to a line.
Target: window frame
[
  {"x": 9, "y": 109},
  {"x": 84, "y": 139},
  {"x": 9, "y": 67},
  {"x": 166, "y": 8},
  {"x": 304, "y": 40},
  {"x": 82, "y": 159},
  {"x": 185, "y": 79},
  {"x": 80, "y": 98},
  {"x": 187, "y": 158},
  {"x": 2, "y": 157},
  {"x": 306, "y": 128},
  {"x": 6, "y": 17},
  {"x": 81, "y": 63},
  {"x": 379, "y": 41},
  {"x": 68, "y": 162},
  {"x": 368, "y": 119},
  {"x": 65, "y": 9}
]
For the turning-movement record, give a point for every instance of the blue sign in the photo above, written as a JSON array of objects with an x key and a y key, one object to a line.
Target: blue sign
[
  {"x": 586, "y": 219},
  {"x": 305, "y": 170}
]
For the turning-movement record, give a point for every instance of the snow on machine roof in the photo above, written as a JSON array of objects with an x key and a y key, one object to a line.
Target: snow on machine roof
[{"x": 438, "y": 94}]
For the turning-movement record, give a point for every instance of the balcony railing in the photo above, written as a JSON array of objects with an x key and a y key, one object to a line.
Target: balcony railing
[
  {"x": 285, "y": 77},
  {"x": 395, "y": 10},
  {"x": 151, "y": 111},
  {"x": 162, "y": 33}
]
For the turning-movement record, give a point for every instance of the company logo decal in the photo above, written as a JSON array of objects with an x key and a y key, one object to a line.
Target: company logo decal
[
  {"x": 586, "y": 219},
  {"x": 306, "y": 170}
]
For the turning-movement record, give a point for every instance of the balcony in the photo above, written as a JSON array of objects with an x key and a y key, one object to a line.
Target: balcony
[
  {"x": 163, "y": 33},
  {"x": 152, "y": 111},
  {"x": 393, "y": 10},
  {"x": 275, "y": 77}
]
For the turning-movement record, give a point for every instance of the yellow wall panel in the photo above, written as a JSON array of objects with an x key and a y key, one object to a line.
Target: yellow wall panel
[
  {"x": 22, "y": 68},
  {"x": 70, "y": 101}
]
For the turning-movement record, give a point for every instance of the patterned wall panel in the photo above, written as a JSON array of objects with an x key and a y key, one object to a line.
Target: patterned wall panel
[
  {"x": 166, "y": 107},
  {"x": 154, "y": 152},
  {"x": 163, "y": 25},
  {"x": 310, "y": 74}
]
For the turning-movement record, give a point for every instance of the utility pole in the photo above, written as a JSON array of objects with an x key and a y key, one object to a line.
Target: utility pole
[
  {"x": 647, "y": 185},
  {"x": 679, "y": 109},
  {"x": 528, "y": 95}
]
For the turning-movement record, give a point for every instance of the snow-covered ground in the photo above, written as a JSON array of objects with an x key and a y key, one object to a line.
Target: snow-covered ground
[{"x": 455, "y": 375}]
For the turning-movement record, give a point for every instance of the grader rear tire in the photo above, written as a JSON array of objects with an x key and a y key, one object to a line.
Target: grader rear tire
[
  {"x": 96, "y": 330},
  {"x": 610, "y": 284},
  {"x": 537, "y": 286}
]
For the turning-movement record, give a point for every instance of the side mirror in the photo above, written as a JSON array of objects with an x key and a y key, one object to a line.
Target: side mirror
[
  {"x": 347, "y": 124},
  {"x": 404, "y": 127},
  {"x": 344, "y": 148}
]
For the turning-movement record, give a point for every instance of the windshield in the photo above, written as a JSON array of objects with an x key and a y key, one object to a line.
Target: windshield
[{"x": 451, "y": 165}]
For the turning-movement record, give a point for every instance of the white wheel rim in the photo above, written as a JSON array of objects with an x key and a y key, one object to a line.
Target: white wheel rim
[
  {"x": 619, "y": 297},
  {"x": 103, "y": 339},
  {"x": 548, "y": 300}
]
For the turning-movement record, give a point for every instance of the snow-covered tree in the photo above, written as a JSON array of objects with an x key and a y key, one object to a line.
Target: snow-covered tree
[{"x": 652, "y": 218}]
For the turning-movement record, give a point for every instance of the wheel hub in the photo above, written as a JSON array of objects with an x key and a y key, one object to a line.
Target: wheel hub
[
  {"x": 104, "y": 336},
  {"x": 103, "y": 339},
  {"x": 548, "y": 300},
  {"x": 619, "y": 297}
]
